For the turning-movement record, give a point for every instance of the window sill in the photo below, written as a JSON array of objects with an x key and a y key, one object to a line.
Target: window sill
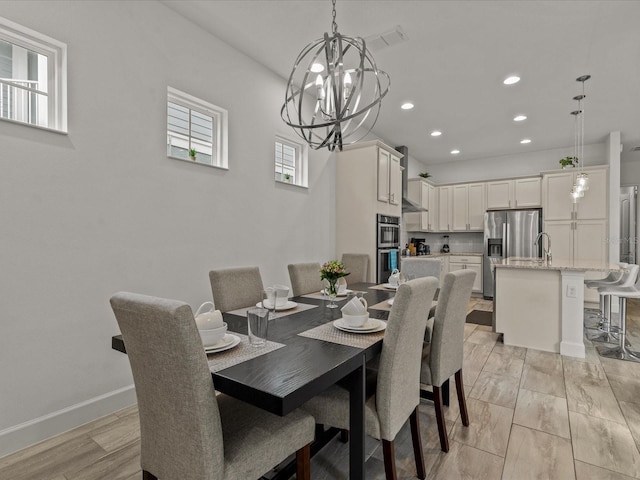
[
  {"x": 198, "y": 163},
  {"x": 292, "y": 184},
  {"x": 31, "y": 125}
]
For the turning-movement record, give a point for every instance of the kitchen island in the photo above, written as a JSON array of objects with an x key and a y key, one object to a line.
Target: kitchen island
[{"x": 540, "y": 304}]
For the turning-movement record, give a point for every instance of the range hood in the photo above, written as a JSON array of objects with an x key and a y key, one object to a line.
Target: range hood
[{"x": 407, "y": 205}]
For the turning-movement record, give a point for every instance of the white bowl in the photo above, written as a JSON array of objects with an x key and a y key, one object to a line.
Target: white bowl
[
  {"x": 355, "y": 320},
  {"x": 209, "y": 320},
  {"x": 283, "y": 295},
  {"x": 211, "y": 336}
]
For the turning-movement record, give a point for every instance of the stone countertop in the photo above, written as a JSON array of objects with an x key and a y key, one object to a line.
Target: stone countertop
[{"x": 557, "y": 264}]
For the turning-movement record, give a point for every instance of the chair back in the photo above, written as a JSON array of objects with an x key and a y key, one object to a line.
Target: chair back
[
  {"x": 234, "y": 288},
  {"x": 447, "y": 339},
  {"x": 630, "y": 276},
  {"x": 357, "y": 264},
  {"x": 180, "y": 429},
  {"x": 305, "y": 278},
  {"x": 398, "y": 388}
]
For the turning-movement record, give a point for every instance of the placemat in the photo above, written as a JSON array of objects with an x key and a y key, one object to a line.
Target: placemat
[
  {"x": 384, "y": 305},
  {"x": 322, "y": 296},
  {"x": 330, "y": 333},
  {"x": 384, "y": 289},
  {"x": 238, "y": 354},
  {"x": 301, "y": 307}
]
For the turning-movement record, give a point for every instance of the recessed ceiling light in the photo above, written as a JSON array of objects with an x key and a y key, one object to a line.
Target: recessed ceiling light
[
  {"x": 436, "y": 133},
  {"x": 407, "y": 106},
  {"x": 525, "y": 140},
  {"x": 317, "y": 67},
  {"x": 455, "y": 152},
  {"x": 519, "y": 118},
  {"x": 511, "y": 80}
]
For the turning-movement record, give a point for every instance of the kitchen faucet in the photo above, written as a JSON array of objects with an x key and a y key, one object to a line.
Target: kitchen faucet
[{"x": 546, "y": 251}]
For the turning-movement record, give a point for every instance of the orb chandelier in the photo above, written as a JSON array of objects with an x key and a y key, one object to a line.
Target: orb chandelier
[
  {"x": 334, "y": 91},
  {"x": 582, "y": 179}
]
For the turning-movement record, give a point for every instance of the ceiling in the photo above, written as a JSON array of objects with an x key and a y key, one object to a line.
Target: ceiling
[{"x": 454, "y": 61}]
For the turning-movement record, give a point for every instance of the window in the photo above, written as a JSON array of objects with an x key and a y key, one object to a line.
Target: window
[
  {"x": 290, "y": 162},
  {"x": 33, "y": 77},
  {"x": 196, "y": 130}
]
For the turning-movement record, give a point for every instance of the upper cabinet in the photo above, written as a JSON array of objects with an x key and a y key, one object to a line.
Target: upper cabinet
[
  {"x": 516, "y": 193},
  {"x": 557, "y": 203},
  {"x": 445, "y": 211},
  {"x": 468, "y": 207},
  {"x": 389, "y": 177},
  {"x": 425, "y": 195}
]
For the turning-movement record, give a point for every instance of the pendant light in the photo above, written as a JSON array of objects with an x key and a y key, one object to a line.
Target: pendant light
[
  {"x": 582, "y": 178},
  {"x": 343, "y": 88}
]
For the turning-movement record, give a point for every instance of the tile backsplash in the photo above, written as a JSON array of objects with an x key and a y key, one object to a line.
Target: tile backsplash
[{"x": 459, "y": 242}]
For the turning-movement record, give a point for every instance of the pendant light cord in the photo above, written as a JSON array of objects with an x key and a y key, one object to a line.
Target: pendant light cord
[{"x": 334, "y": 25}]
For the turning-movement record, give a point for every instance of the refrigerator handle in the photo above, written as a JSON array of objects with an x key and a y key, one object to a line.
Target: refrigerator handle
[{"x": 504, "y": 241}]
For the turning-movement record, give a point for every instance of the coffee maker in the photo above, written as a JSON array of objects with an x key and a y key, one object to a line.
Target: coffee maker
[{"x": 445, "y": 246}]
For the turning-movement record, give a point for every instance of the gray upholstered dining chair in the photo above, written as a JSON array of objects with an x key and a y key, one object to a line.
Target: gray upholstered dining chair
[
  {"x": 442, "y": 356},
  {"x": 234, "y": 288},
  {"x": 186, "y": 431},
  {"x": 393, "y": 395},
  {"x": 357, "y": 264},
  {"x": 305, "y": 278}
]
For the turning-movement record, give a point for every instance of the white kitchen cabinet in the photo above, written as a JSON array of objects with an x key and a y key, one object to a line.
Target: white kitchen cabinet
[
  {"x": 580, "y": 231},
  {"x": 444, "y": 208},
  {"x": 514, "y": 193},
  {"x": 557, "y": 204},
  {"x": 468, "y": 207},
  {"x": 389, "y": 177},
  {"x": 361, "y": 177},
  {"x": 425, "y": 195},
  {"x": 463, "y": 262}
]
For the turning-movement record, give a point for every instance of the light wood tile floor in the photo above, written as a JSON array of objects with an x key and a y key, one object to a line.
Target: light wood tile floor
[{"x": 533, "y": 415}]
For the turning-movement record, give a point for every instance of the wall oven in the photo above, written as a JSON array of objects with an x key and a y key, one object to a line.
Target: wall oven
[{"x": 387, "y": 241}]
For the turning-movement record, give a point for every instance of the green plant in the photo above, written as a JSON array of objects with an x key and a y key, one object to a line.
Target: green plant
[
  {"x": 192, "y": 152},
  {"x": 287, "y": 177},
  {"x": 424, "y": 174},
  {"x": 568, "y": 162}
]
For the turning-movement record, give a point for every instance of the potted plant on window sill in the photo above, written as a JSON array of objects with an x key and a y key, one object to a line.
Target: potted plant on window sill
[
  {"x": 192, "y": 154},
  {"x": 287, "y": 178}
]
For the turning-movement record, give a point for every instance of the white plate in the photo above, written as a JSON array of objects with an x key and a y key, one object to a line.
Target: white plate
[
  {"x": 390, "y": 302},
  {"x": 389, "y": 286},
  {"x": 340, "y": 294},
  {"x": 372, "y": 325},
  {"x": 287, "y": 306},
  {"x": 228, "y": 341}
]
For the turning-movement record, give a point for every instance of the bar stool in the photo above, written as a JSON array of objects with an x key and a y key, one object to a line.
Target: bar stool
[
  {"x": 596, "y": 320},
  {"x": 621, "y": 352},
  {"x": 607, "y": 332}
]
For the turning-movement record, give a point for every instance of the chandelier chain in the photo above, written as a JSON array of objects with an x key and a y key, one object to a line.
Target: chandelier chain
[{"x": 334, "y": 25}]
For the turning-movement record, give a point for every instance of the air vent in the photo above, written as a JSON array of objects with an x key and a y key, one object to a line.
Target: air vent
[{"x": 380, "y": 41}]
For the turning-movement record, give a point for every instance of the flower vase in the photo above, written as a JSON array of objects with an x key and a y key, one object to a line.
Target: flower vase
[{"x": 332, "y": 290}]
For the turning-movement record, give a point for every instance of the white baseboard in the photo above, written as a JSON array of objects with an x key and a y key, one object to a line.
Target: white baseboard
[{"x": 33, "y": 431}]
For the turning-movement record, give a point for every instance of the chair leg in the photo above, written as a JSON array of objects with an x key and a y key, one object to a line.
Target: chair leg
[
  {"x": 445, "y": 393},
  {"x": 344, "y": 435},
  {"x": 462, "y": 402},
  {"x": 417, "y": 444},
  {"x": 148, "y": 476},
  {"x": 303, "y": 463},
  {"x": 442, "y": 429},
  {"x": 389, "y": 454}
]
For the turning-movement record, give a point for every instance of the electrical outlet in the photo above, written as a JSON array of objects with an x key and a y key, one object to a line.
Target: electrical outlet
[{"x": 571, "y": 291}]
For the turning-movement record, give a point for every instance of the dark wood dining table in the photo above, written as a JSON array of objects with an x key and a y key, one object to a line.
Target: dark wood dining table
[{"x": 282, "y": 380}]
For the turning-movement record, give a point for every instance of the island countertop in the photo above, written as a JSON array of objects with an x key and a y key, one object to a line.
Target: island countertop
[{"x": 558, "y": 264}]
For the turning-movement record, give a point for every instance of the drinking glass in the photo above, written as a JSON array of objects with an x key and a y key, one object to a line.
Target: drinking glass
[
  {"x": 257, "y": 326},
  {"x": 269, "y": 299}
]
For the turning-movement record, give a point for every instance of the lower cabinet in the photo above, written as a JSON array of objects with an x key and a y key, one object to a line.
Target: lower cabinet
[{"x": 464, "y": 262}]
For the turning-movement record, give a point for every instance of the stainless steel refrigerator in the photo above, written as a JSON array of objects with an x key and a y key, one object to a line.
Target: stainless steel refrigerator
[
  {"x": 628, "y": 203},
  {"x": 508, "y": 233}
]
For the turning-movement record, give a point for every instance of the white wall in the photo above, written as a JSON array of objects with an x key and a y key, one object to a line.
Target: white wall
[
  {"x": 508, "y": 166},
  {"x": 103, "y": 209}
]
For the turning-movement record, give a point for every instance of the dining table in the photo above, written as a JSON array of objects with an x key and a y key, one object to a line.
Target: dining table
[{"x": 283, "y": 379}]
